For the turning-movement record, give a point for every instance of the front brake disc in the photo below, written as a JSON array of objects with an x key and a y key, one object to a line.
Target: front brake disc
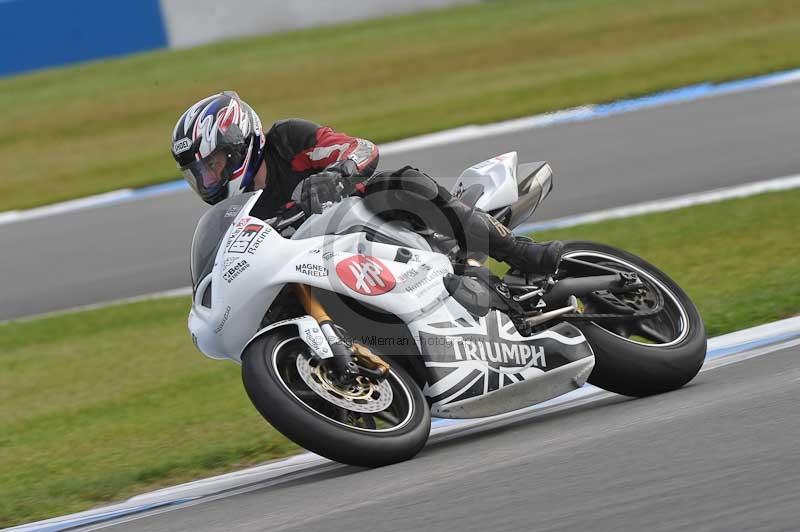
[{"x": 362, "y": 395}]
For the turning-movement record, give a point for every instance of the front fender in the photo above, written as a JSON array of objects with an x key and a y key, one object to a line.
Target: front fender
[{"x": 307, "y": 329}]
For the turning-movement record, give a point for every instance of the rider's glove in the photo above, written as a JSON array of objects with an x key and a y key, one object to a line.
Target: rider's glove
[
  {"x": 319, "y": 189},
  {"x": 330, "y": 185},
  {"x": 345, "y": 168}
]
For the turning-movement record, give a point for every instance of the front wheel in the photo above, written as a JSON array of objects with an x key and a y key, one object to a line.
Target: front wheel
[
  {"x": 646, "y": 356},
  {"x": 366, "y": 423}
]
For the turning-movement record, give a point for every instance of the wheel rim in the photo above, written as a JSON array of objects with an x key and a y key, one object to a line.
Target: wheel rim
[
  {"x": 367, "y": 415},
  {"x": 669, "y": 327}
]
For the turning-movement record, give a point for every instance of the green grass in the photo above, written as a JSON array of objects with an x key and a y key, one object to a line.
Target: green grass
[
  {"x": 99, "y": 405},
  {"x": 102, "y": 126}
]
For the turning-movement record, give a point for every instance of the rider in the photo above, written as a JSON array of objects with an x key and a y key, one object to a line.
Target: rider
[{"x": 222, "y": 151}]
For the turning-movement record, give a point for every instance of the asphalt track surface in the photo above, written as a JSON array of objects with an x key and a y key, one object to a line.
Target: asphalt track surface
[
  {"x": 720, "y": 454},
  {"x": 135, "y": 248}
]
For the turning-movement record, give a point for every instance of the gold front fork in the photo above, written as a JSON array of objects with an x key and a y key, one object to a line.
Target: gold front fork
[
  {"x": 311, "y": 304},
  {"x": 315, "y": 309}
]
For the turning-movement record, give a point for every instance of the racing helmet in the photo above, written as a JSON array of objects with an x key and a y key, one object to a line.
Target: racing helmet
[{"x": 218, "y": 144}]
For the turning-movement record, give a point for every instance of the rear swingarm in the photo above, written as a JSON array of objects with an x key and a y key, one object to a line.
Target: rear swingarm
[
  {"x": 609, "y": 298},
  {"x": 583, "y": 286}
]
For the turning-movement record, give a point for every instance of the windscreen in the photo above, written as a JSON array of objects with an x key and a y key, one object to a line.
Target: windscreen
[{"x": 209, "y": 232}]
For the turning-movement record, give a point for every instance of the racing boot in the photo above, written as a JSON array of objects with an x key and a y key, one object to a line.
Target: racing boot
[
  {"x": 528, "y": 256},
  {"x": 520, "y": 252},
  {"x": 483, "y": 233}
]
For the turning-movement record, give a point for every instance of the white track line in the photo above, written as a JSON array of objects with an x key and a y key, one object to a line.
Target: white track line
[{"x": 176, "y": 292}]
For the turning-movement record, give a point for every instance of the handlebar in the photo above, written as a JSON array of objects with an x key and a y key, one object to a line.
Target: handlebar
[{"x": 279, "y": 222}]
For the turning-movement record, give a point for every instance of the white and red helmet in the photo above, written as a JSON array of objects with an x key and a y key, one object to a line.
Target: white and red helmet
[{"x": 218, "y": 144}]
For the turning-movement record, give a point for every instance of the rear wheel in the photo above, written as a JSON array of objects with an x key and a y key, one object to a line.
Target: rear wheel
[
  {"x": 646, "y": 356},
  {"x": 365, "y": 423}
]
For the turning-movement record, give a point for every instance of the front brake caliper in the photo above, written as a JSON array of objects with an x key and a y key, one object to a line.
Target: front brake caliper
[{"x": 370, "y": 364}]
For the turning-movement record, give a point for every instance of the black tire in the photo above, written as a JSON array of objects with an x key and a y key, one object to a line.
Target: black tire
[
  {"x": 317, "y": 432},
  {"x": 635, "y": 369}
]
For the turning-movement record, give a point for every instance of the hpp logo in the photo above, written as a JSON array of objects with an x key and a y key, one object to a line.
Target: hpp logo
[{"x": 365, "y": 275}]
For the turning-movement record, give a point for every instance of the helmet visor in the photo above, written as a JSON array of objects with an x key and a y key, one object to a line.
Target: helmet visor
[{"x": 209, "y": 175}]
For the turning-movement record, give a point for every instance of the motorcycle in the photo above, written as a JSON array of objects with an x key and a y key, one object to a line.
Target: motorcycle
[{"x": 352, "y": 331}]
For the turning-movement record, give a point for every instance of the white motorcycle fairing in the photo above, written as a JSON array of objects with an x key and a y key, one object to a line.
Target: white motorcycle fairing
[
  {"x": 497, "y": 176},
  {"x": 254, "y": 263},
  {"x": 475, "y": 366}
]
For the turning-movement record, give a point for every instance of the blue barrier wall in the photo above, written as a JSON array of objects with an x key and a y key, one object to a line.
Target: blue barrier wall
[
  {"x": 41, "y": 33},
  {"x": 37, "y": 34}
]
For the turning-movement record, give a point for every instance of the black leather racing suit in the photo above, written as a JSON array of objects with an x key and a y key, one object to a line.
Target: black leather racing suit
[{"x": 297, "y": 149}]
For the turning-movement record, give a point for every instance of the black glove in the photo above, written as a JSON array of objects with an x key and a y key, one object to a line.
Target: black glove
[
  {"x": 345, "y": 168},
  {"x": 319, "y": 189}
]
